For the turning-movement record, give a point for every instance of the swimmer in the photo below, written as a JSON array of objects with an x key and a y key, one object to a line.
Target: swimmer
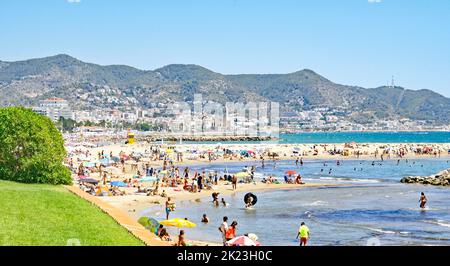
[
  {"x": 249, "y": 202},
  {"x": 205, "y": 219}
]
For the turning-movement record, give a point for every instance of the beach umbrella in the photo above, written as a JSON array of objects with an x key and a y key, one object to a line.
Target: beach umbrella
[
  {"x": 115, "y": 159},
  {"x": 228, "y": 151},
  {"x": 291, "y": 172},
  {"x": 248, "y": 195},
  {"x": 149, "y": 179},
  {"x": 178, "y": 222},
  {"x": 149, "y": 223},
  {"x": 89, "y": 181},
  {"x": 242, "y": 174},
  {"x": 244, "y": 153},
  {"x": 118, "y": 184},
  {"x": 243, "y": 241}
]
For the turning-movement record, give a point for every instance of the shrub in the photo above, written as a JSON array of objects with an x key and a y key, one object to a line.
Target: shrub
[{"x": 31, "y": 148}]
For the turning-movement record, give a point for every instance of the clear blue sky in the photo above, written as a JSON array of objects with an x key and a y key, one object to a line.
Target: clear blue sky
[{"x": 352, "y": 42}]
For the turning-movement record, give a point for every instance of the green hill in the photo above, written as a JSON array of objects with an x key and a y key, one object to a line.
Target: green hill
[{"x": 89, "y": 86}]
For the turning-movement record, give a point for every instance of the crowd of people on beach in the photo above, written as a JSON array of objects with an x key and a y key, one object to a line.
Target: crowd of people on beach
[
  {"x": 125, "y": 171},
  {"x": 155, "y": 171}
]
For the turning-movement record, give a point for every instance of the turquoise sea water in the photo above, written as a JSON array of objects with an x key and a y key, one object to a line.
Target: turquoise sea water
[
  {"x": 368, "y": 137},
  {"x": 360, "y": 137},
  {"x": 368, "y": 205}
]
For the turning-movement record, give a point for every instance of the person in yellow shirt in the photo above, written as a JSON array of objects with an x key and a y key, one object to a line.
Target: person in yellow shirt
[{"x": 303, "y": 233}]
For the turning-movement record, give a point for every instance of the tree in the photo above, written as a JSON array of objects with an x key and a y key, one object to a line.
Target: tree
[
  {"x": 67, "y": 124},
  {"x": 31, "y": 148},
  {"x": 88, "y": 124},
  {"x": 143, "y": 127}
]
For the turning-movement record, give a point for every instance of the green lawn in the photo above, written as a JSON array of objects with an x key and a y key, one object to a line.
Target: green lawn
[{"x": 44, "y": 215}]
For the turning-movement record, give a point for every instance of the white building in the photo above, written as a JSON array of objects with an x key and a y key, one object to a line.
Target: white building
[{"x": 54, "y": 108}]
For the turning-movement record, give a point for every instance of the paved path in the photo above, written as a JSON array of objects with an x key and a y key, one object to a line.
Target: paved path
[{"x": 120, "y": 217}]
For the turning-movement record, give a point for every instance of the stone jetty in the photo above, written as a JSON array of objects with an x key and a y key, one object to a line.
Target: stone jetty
[
  {"x": 169, "y": 138},
  {"x": 440, "y": 179}
]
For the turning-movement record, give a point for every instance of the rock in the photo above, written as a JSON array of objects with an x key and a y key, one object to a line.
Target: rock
[
  {"x": 436, "y": 182},
  {"x": 440, "y": 179}
]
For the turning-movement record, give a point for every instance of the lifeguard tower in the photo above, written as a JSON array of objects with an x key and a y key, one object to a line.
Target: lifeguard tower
[{"x": 130, "y": 138}]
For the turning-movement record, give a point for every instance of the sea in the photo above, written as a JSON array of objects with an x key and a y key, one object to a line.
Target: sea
[
  {"x": 366, "y": 205},
  {"x": 359, "y": 137},
  {"x": 367, "y": 137}
]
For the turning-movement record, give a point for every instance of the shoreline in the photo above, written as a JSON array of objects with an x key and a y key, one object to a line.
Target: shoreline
[
  {"x": 284, "y": 151},
  {"x": 133, "y": 204}
]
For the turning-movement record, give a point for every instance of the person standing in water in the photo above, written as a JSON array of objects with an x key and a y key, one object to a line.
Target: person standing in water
[
  {"x": 223, "y": 229},
  {"x": 423, "y": 200},
  {"x": 303, "y": 233},
  {"x": 224, "y": 203},
  {"x": 249, "y": 202}
]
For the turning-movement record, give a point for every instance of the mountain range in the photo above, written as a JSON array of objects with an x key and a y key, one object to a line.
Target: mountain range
[{"x": 88, "y": 86}]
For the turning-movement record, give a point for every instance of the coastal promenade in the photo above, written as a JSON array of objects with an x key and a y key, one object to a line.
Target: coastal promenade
[{"x": 120, "y": 217}]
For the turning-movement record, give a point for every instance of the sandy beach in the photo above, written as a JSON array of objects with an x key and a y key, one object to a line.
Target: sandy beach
[
  {"x": 140, "y": 157},
  {"x": 133, "y": 204},
  {"x": 285, "y": 151}
]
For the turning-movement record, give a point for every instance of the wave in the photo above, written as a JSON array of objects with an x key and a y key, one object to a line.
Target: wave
[
  {"x": 348, "y": 179},
  {"x": 316, "y": 203},
  {"x": 438, "y": 222},
  {"x": 379, "y": 230},
  {"x": 308, "y": 214},
  {"x": 423, "y": 210}
]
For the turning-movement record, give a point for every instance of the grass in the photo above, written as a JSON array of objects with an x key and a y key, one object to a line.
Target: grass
[{"x": 44, "y": 215}]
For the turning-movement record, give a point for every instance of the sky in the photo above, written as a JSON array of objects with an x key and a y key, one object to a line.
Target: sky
[{"x": 351, "y": 42}]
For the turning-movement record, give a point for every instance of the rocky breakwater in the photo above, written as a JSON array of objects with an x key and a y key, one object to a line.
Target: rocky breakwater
[
  {"x": 440, "y": 179},
  {"x": 170, "y": 138}
]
